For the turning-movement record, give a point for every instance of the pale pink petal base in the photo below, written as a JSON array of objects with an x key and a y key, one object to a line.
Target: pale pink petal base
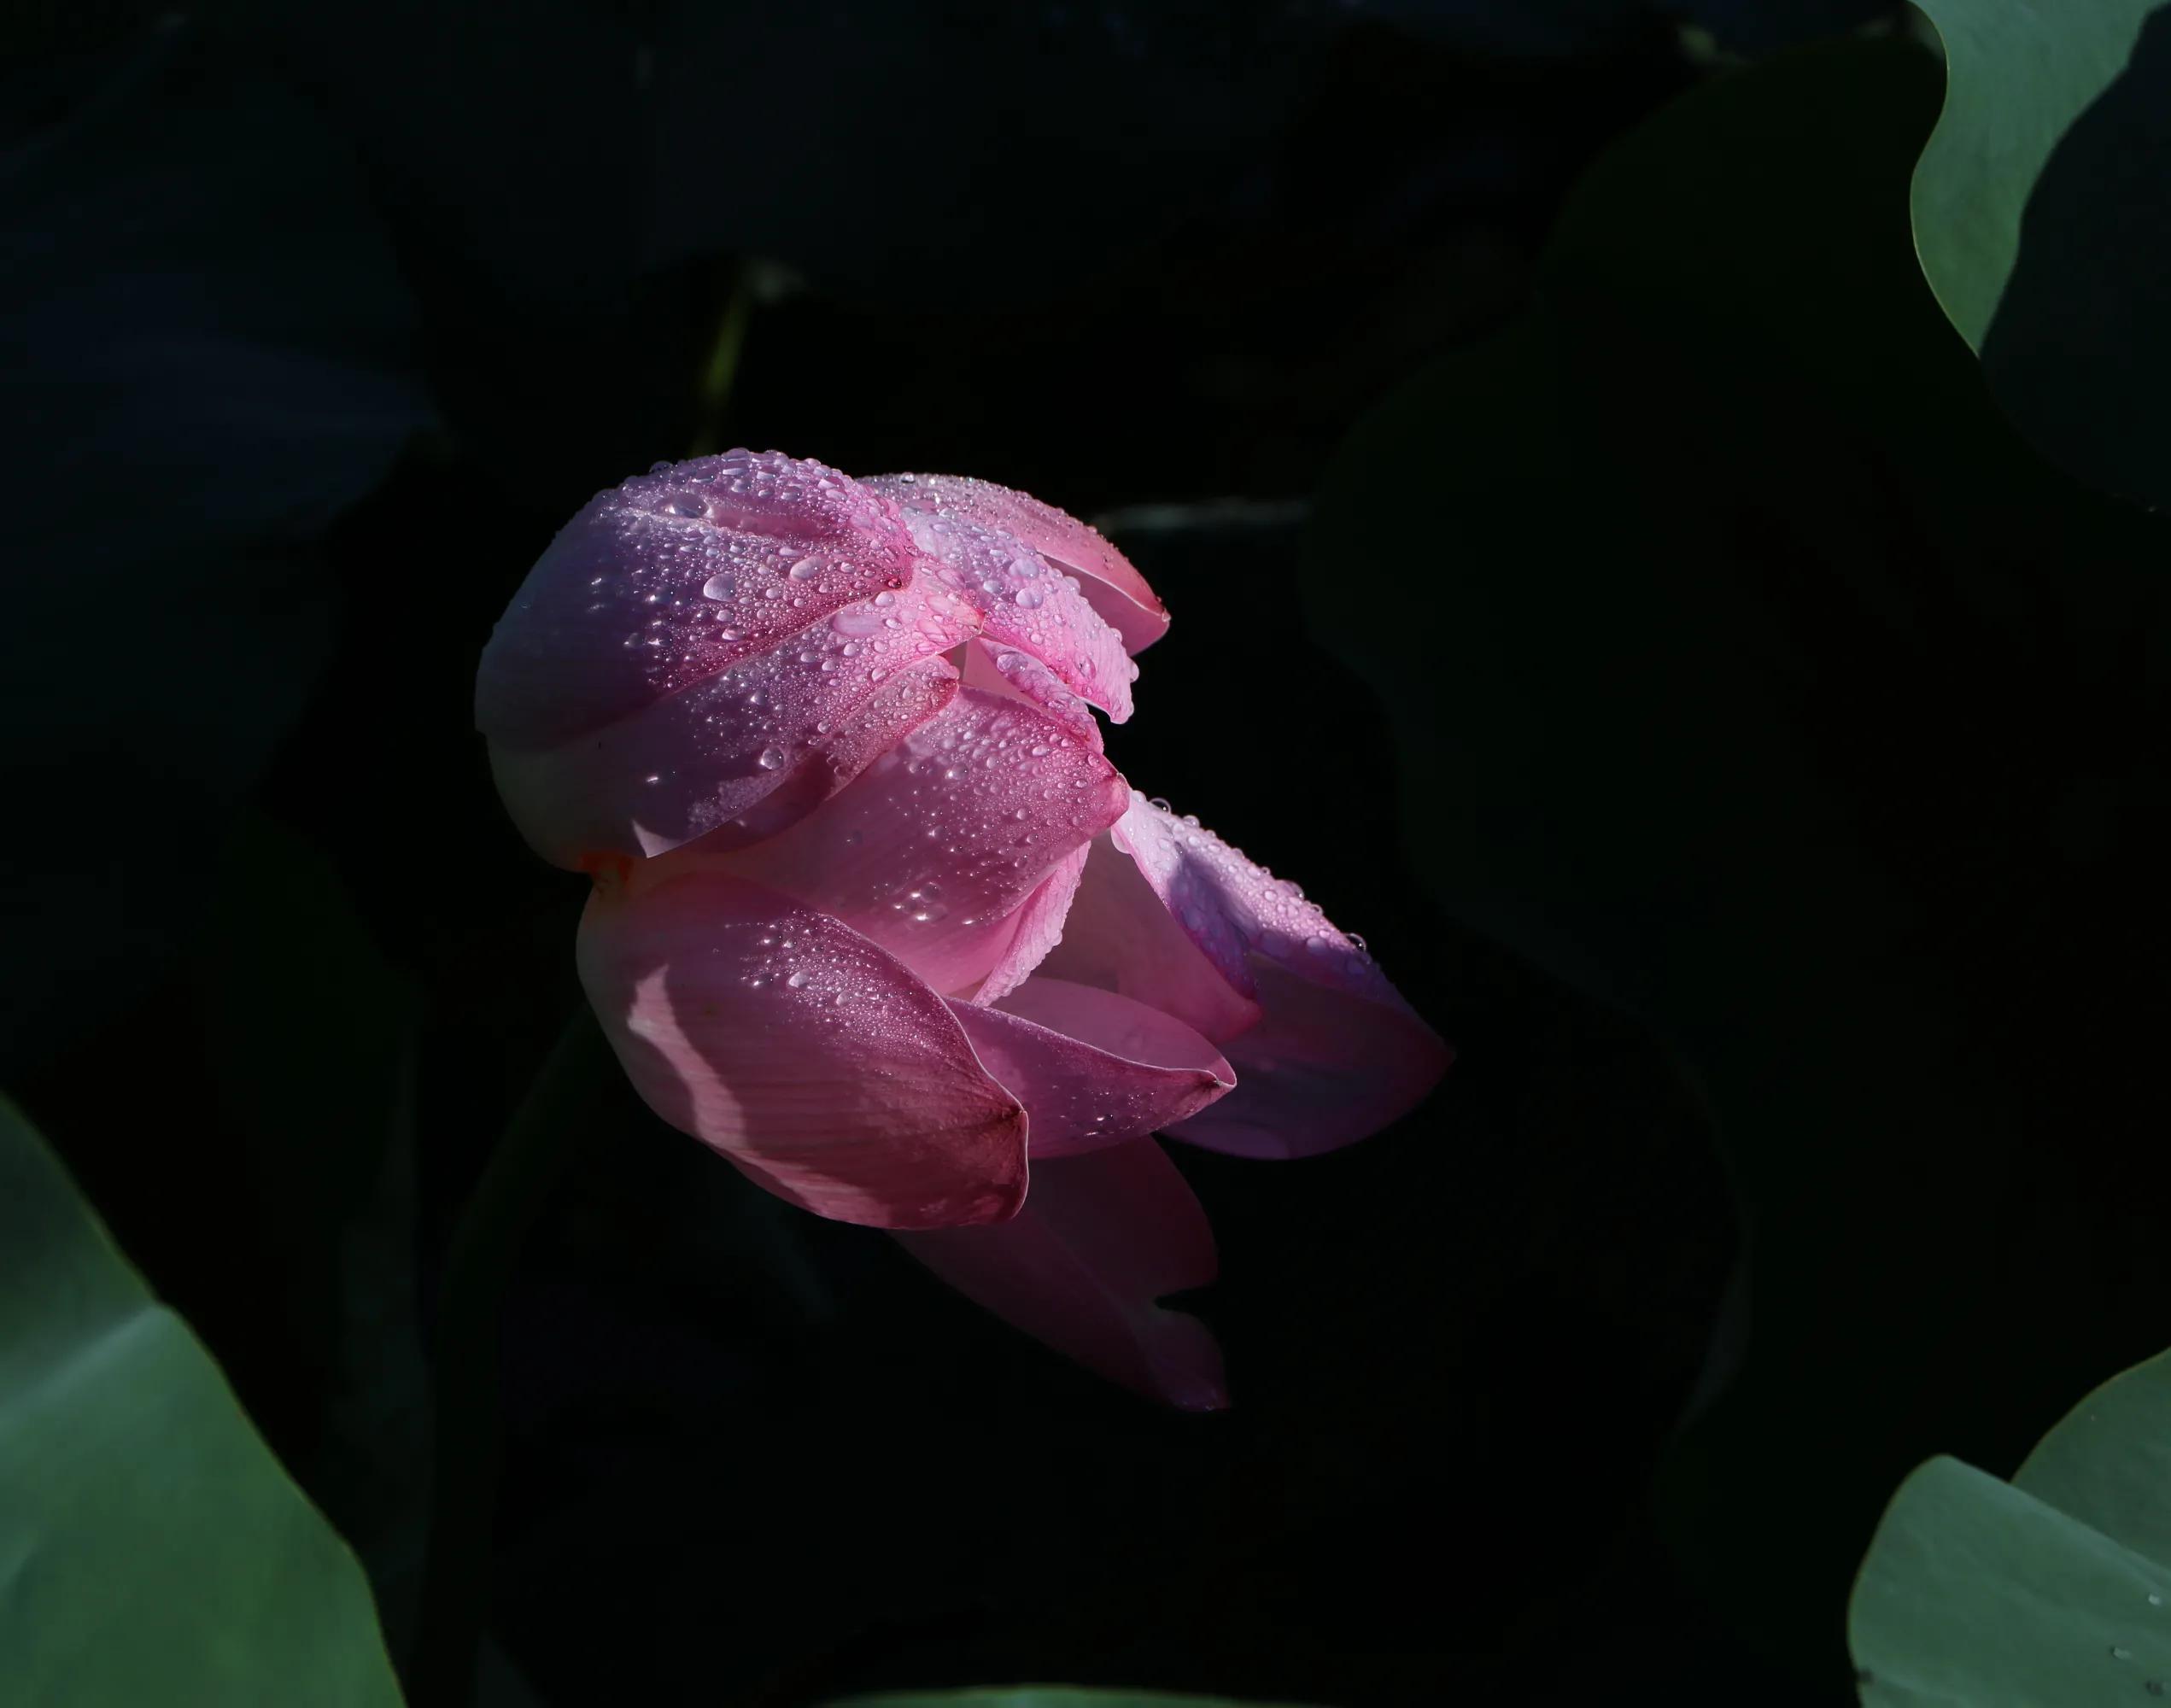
[
  {"x": 799, "y": 1050},
  {"x": 1102, "y": 1237}
]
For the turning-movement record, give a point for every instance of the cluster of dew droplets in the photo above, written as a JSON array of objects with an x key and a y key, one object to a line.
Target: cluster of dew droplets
[
  {"x": 1219, "y": 892},
  {"x": 802, "y": 960},
  {"x": 1029, "y": 607},
  {"x": 996, "y": 794},
  {"x": 771, "y": 710},
  {"x": 714, "y": 559}
]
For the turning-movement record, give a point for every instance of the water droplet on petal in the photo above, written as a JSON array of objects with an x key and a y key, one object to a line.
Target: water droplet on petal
[
  {"x": 719, "y": 587},
  {"x": 797, "y": 981},
  {"x": 770, "y": 758}
]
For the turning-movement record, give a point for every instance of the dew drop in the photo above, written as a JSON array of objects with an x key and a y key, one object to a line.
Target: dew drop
[
  {"x": 804, "y": 569},
  {"x": 1318, "y": 945},
  {"x": 686, "y": 505},
  {"x": 1029, "y": 597},
  {"x": 770, "y": 758},
  {"x": 797, "y": 981}
]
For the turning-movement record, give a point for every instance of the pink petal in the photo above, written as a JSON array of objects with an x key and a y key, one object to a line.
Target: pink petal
[
  {"x": 1111, "y": 584},
  {"x": 1092, "y": 1069},
  {"x": 811, "y": 1059},
  {"x": 1336, "y": 1054},
  {"x": 1037, "y": 927},
  {"x": 1004, "y": 670},
  {"x": 690, "y": 765},
  {"x": 946, "y": 835},
  {"x": 1100, "y": 1238},
  {"x": 671, "y": 576},
  {"x": 1029, "y": 607}
]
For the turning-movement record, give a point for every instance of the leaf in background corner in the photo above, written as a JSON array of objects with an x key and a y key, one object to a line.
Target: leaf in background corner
[
  {"x": 2042, "y": 210},
  {"x": 2053, "y": 1587},
  {"x": 151, "y": 1548},
  {"x": 1745, "y": 668}
]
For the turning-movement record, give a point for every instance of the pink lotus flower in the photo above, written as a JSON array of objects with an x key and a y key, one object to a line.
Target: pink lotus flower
[{"x": 876, "y": 918}]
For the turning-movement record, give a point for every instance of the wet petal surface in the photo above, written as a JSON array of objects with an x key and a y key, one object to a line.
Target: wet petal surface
[
  {"x": 1029, "y": 607},
  {"x": 1336, "y": 1054},
  {"x": 689, "y": 764},
  {"x": 945, "y": 836},
  {"x": 1110, "y": 582},
  {"x": 671, "y": 576},
  {"x": 809, "y": 1058}
]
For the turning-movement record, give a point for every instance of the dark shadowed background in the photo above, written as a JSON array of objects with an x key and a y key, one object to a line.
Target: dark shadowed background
[{"x": 1599, "y": 576}]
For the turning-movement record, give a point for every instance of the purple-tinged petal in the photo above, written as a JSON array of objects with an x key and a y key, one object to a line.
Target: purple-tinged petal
[
  {"x": 1037, "y": 927},
  {"x": 1323, "y": 1068},
  {"x": 1092, "y": 1069},
  {"x": 1337, "y": 1053},
  {"x": 671, "y": 576},
  {"x": 945, "y": 837},
  {"x": 1102, "y": 1236},
  {"x": 1120, "y": 936},
  {"x": 814, "y": 1061},
  {"x": 1030, "y": 607},
  {"x": 1110, "y": 582},
  {"x": 689, "y": 764}
]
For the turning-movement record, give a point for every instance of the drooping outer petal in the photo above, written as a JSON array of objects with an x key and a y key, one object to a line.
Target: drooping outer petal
[
  {"x": 815, "y": 1061},
  {"x": 933, "y": 850},
  {"x": 1104, "y": 1236},
  {"x": 1092, "y": 1069},
  {"x": 1335, "y": 1054},
  {"x": 1109, "y": 582},
  {"x": 671, "y": 576}
]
